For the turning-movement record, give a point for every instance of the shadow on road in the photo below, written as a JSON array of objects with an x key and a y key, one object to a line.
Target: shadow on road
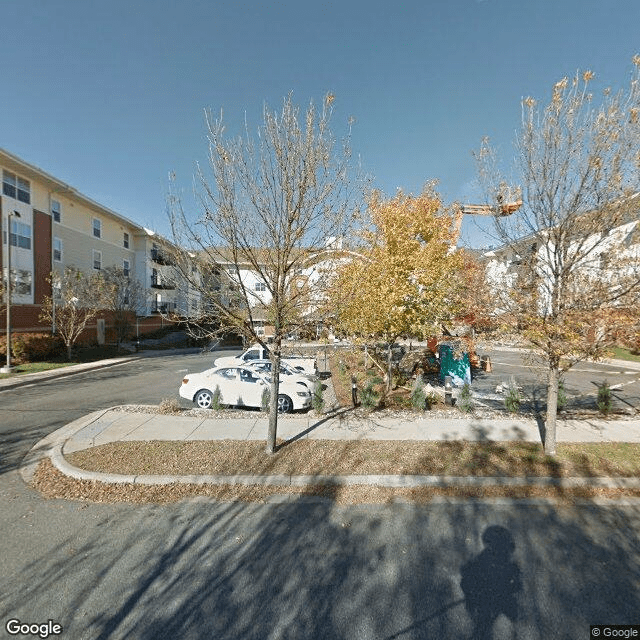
[{"x": 312, "y": 569}]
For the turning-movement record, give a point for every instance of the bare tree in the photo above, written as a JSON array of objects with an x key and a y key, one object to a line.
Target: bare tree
[
  {"x": 571, "y": 282},
  {"x": 273, "y": 205},
  {"x": 74, "y": 303},
  {"x": 123, "y": 296}
]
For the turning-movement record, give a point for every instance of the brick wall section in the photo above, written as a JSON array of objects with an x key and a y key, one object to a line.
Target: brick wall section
[
  {"x": 42, "y": 252},
  {"x": 24, "y": 317}
]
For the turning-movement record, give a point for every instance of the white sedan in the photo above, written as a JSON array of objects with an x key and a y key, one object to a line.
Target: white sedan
[
  {"x": 287, "y": 372},
  {"x": 241, "y": 386}
]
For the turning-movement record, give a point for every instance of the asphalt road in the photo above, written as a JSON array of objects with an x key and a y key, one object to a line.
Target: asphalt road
[
  {"x": 581, "y": 381},
  {"x": 310, "y": 569},
  {"x": 299, "y": 569},
  {"x": 29, "y": 413}
]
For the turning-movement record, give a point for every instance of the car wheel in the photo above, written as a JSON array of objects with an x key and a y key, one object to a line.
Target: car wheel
[
  {"x": 203, "y": 399},
  {"x": 284, "y": 404}
]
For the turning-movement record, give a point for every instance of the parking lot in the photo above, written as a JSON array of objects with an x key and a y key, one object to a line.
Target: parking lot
[{"x": 581, "y": 382}]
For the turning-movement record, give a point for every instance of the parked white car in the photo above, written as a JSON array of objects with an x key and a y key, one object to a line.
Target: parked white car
[
  {"x": 287, "y": 372},
  {"x": 242, "y": 386},
  {"x": 258, "y": 352}
]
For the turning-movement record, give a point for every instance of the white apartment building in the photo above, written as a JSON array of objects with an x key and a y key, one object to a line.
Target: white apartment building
[{"x": 54, "y": 226}]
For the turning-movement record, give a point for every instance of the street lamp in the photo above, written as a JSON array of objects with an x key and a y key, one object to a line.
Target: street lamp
[{"x": 8, "y": 368}]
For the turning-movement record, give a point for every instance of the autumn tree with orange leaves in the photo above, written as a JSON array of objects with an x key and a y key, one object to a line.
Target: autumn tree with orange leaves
[{"x": 400, "y": 278}]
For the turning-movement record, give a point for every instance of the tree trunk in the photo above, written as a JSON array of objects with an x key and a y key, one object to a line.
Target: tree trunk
[
  {"x": 273, "y": 404},
  {"x": 389, "y": 365},
  {"x": 69, "y": 347},
  {"x": 552, "y": 408}
]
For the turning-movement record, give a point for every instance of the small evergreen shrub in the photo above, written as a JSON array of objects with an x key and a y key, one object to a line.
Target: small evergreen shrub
[
  {"x": 419, "y": 397},
  {"x": 369, "y": 397},
  {"x": 562, "y": 396},
  {"x": 215, "y": 399},
  {"x": 513, "y": 398},
  {"x": 266, "y": 396},
  {"x": 604, "y": 398},
  {"x": 317, "y": 399},
  {"x": 464, "y": 399}
]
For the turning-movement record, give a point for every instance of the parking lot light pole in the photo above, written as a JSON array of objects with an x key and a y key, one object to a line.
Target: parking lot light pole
[{"x": 8, "y": 368}]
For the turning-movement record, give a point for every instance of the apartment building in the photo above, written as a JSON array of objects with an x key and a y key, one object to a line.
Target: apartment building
[
  {"x": 528, "y": 262},
  {"x": 54, "y": 226}
]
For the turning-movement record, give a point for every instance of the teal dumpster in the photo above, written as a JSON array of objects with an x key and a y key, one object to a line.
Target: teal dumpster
[{"x": 458, "y": 368}]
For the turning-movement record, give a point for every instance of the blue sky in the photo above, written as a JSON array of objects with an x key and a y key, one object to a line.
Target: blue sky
[{"x": 109, "y": 95}]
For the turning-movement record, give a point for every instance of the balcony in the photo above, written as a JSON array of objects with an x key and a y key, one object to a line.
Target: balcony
[
  {"x": 161, "y": 257},
  {"x": 158, "y": 282},
  {"x": 164, "y": 307}
]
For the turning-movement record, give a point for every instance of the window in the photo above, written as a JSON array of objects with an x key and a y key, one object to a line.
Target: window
[
  {"x": 20, "y": 235},
  {"x": 125, "y": 267},
  {"x": 9, "y": 184},
  {"x": 21, "y": 282},
  {"x": 16, "y": 187},
  {"x": 57, "y": 250},
  {"x": 125, "y": 241},
  {"x": 261, "y": 286},
  {"x": 56, "y": 210},
  {"x": 97, "y": 228},
  {"x": 97, "y": 260},
  {"x": 24, "y": 191},
  {"x": 248, "y": 376}
]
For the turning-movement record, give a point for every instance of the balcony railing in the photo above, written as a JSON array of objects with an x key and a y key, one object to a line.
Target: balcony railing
[
  {"x": 158, "y": 282},
  {"x": 161, "y": 257},
  {"x": 164, "y": 307}
]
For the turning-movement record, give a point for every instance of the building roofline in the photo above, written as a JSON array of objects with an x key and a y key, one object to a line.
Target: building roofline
[{"x": 11, "y": 161}]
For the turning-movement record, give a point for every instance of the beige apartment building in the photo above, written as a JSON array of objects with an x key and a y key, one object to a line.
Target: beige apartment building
[{"x": 54, "y": 226}]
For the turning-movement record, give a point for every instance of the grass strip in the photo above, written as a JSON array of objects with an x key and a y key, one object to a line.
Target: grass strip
[
  {"x": 361, "y": 457},
  {"x": 53, "y": 484}
]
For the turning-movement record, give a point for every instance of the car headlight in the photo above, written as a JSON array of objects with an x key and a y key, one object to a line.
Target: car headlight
[
  {"x": 185, "y": 380},
  {"x": 304, "y": 394}
]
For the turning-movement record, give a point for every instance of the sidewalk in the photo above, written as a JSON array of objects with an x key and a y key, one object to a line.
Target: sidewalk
[{"x": 115, "y": 425}]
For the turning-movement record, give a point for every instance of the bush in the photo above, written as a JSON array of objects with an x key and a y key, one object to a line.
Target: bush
[
  {"x": 562, "y": 396},
  {"x": 317, "y": 399},
  {"x": 266, "y": 396},
  {"x": 215, "y": 399},
  {"x": 464, "y": 399},
  {"x": 34, "y": 347},
  {"x": 513, "y": 398},
  {"x": 419, "y": 397},
  {"x": 604, "y": 398},
  {"x": 169, "y": 407},
  {"x": 432, "y": 399},
  {"x": 369, "y": 397}
]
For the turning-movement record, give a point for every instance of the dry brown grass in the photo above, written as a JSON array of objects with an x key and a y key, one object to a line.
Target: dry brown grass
[
  {"x": 53, "y": 484},
  {"x": 361, "y": 457}
]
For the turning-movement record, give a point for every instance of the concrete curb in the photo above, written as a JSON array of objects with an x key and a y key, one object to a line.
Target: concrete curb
[
  {"x": 57, "y": 438},
  {"x": 388, "y": 481}
]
